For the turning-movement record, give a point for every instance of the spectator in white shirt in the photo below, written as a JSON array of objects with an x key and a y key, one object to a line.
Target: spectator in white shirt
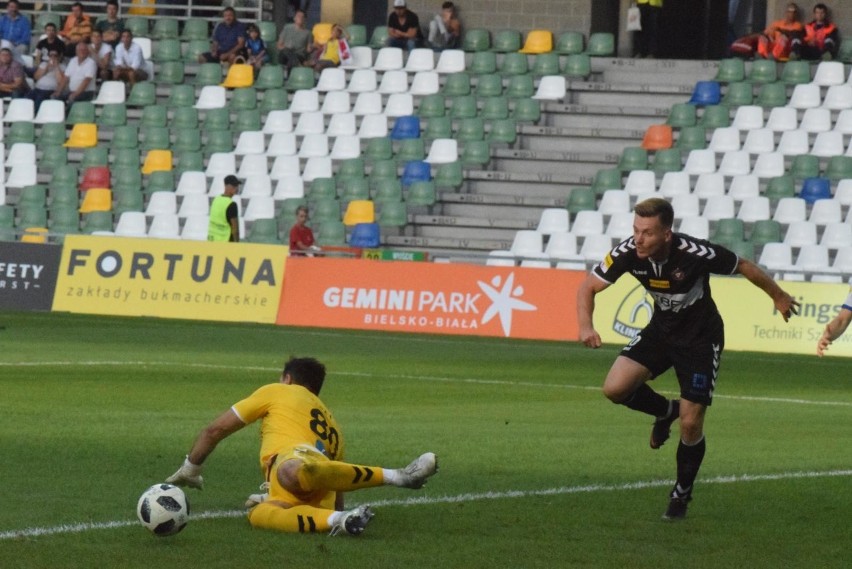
[
  {"x": 101, "y": 52},
  {"x": 49, "y": 78},
  {"x": 129, "y": 63},
  {"x": 80, "y": 74}
]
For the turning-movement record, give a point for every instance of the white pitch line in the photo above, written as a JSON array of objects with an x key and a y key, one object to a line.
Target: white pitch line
[
  {"x": 470, "y": 380},
  {"x": 459, "y": 498}
]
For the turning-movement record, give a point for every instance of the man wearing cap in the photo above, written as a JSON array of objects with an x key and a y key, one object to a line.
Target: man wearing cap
[
  {"x": 404, "y": 27},
  {"x": 224, "y": 216}
]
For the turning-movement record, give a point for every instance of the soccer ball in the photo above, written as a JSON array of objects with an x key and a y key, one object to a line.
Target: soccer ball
[{"x": 163, "y": 509}]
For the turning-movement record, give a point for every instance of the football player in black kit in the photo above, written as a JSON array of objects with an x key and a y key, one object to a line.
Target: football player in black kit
[{"x": 685, "y": 332}]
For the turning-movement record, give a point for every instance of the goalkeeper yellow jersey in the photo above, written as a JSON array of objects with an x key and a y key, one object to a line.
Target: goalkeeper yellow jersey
[{"x": 290, "y": 415}]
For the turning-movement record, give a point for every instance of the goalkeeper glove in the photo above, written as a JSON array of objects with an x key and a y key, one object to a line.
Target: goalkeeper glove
[{"x": 187, "y": 475}]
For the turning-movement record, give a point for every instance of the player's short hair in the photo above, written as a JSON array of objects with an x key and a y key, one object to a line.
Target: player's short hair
[
  {"x": 448, "y": 6},
  {"x": 656, "y": 207},
  {"x": 307, "y": 372},
  {"x": 822, "y": 7}
]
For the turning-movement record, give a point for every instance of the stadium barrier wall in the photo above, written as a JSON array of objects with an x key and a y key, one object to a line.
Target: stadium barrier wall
[
  {"x": 28, "y": 275},
  {"x": 236, "y": 282},
  {"x": 430, "y": 298},
  {"x": 751, "y": 321}
]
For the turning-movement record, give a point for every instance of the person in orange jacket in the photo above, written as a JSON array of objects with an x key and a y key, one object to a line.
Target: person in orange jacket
[
  {"x": 776, "y": 41},
  {"x": 821, "y": 39}
]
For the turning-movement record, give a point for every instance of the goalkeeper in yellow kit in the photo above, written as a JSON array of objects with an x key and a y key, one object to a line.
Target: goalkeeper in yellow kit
[{"x": 301, "y": 455}]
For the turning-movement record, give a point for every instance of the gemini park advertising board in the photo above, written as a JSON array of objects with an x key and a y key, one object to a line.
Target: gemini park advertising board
[
  {"x": 751, "y": 321},
  {"x": 430, "y": 298},
  {"x": 28, "y": 275},
  {"x": 236, "y": 282}
]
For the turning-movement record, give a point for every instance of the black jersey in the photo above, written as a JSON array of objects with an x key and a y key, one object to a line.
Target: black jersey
[{"x": 680, "y": 285}]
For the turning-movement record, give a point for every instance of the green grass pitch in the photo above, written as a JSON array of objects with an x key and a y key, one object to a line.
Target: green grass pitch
[{"x": 537, "y": 468}]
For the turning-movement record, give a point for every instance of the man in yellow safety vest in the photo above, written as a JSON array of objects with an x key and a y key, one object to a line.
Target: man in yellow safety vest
[{"x": 224, "y": 216}]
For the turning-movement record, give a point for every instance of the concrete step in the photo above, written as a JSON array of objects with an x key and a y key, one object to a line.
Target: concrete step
[
  {"x": 478, "y": 221},
  {"x": 447, "y": 243}
]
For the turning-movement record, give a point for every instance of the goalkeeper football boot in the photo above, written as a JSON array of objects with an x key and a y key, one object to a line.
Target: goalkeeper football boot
[
  {"x": 415, "y": 474},
  {"x": 255, "y": 499},
  {"x": 662, "y": 429},
  {"x": 353, "y": 522}
]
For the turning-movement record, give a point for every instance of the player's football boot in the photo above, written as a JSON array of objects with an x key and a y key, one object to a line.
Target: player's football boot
[
  {"x": 353, "y": 522},
  {"x": 662, "y": 429},
  {"x": 255, "y": 499},
  {"x": 415, "y": 474},
  {"x": 677, "y": 508}
]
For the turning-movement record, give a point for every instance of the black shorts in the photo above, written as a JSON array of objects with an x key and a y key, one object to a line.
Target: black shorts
[{"x": 696, "y": 364}]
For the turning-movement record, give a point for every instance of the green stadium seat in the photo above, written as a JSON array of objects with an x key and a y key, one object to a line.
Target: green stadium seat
[
  {"x": 421, "y": 194},
  {"x": 438, "y": 127},
  {"x": 796, "y": 73},
  {"x": 378, "y": 149},
  {"x": 578, "y": 65},
  {"x": 263, "y": 231},
  {"x": 716, "y": 116},
  {"x": 581, "y": 199},
  {"x": 495, "y": 108},
  {"x": 95, "y": 156},
  {"x": 195, "y": 48},
  {"x": 243, "y": 99},
  {"x": 730, "y": 71},
  {"x": 488, "y": 86},
  {"x": 217, "y": 119},
  {"x": 668, "y": 160},
  {"x": 765, "y": 231},
  {"x": 410, "y": 149},
  {"x": 738, "y": 94},
  {"x": 357, "y": 35},
  {"x": 138, "y": 25},
  {"x": 53, "y": 156},
  {"x": 195, "y": 30},
  {"x": 476, "y": 153},
  {"x": 63, "y": 195},
  {"x": 187, "y": 140},
  {"x": 128, "y": 201},
  {"x": 247, "y": 119},
  {"x": 472, "y": 128},
  {"x": 601, "y": 44},
  {"x": 64, "y": 219},
  {"x": 569, "y": 43},
  {"x": 780, "y": 187},
  {"x": 432, "y": 106},
  {"x": 143, "y": 94},
  {"x": 166, "y": 50},
  {"x": 219, "y": 141},
  {"x": 81, "y": 112},
  {"x": 332, "y": 234},
  {"x": 463, "y": 107},
  {"x": 322, "y": 188},
  {"x": 384, "y": 168},
  {"x": 127, "y": 136},
  {"x": 805, "y": 166},
  {"x": 160, "y": 181},
  {"x": 633, "y": 158},
  {"x": 114, "y": 114},
  {"x": 350, "y": 168},
  {"x": 514, "y": 64},
  {"x": 126, "y": 179},
  {"x": 546, "y": 64},
  {"x": 483, "y": 63},
  {"x": 33, "y": 196},
  {"x": 457, "y": 85},
  {"x": 32, "y": 216},
  {"x": 743, "y": 249},
  {"x": 503, "y": 131},
  {"x": 51, "y": 134},
  {"x": 21, "y": 131},
  {"x": 208, "y": 74},
  {"x": 270, "y": 77},
  {"x": 729, "y": 230},
  {"x": 380, "y": 37},
  {"x": 682, "y": 115},
  {"x": 355, "y": 189},
  {"x": 326, "y": 211},
  {"x": 155, "y": 115},
  {"x": 387, "y": 190},
  {"x": 520, "y": 87},
  {"x": 165, "y": 28},
  {"x": 393, "y": 214},
  {"x": 839, "y": 167},
  {"x": 97, "y": 221},
  {"x": 300, "y": 78},
  {"x": 171, "y": 73},
  {"x": 450, "y": 175},
  {"x": 185, "y": 118},
  {"x": 274, "y": 100},
  {"x": 155, "y": 138},
  {"x": 607, "y": 179},
  {"x": 507, "y": 41},
  {"x": 692, "y": 138},
  {"x": 44, "y": 18},
  {"x": 476, "y": 39},
  {"x": 65, "y": 175},
  {"x": 763, "y": 71},
  {"x": 772, "y": 95},
  {"x": 188, "y": 162},
  {"x": 126, "y": 157},
  {"x": 527, "y": 111}
]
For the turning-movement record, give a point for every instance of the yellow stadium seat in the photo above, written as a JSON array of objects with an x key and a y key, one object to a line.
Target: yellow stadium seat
[
  {"x": 322, "y": 32},
  {"x": 142, "y": 7},
  {"x": 83, "y": 135},
  {"x": 97, "y": 199},
  {"x": 538, "y": 41},
  {"x": 157, "y": 160},
  {"x": 34, "y": 235},
  {"x": 359, "y": 211},
  {"x": 239, "y": 75}
]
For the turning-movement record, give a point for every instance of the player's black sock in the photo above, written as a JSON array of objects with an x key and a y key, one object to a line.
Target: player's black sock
[
  {"x": 689, "y": 459},
  {"x": 648, "y": 401}
]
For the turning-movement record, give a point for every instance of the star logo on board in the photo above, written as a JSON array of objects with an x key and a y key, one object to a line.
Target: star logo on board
[{"x": 505, "y": 299}]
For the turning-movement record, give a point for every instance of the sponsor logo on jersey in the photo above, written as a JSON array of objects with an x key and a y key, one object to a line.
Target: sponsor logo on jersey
[
  {"x": 607, "y": 262},
  {"x": 678, "y": 275},
  {"x": 658, "y": 283},
  {"x": 638, "y": 272},
  {"x": 634, "y": 313}
]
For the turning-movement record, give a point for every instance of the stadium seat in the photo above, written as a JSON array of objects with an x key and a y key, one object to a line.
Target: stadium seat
[
  {"x": 814, "y": 189},
  {"x": 769, "y": 165},
  {"x": 805, "y": 96},
  {"x": 816, "y": 120},
  {"x": 730, "y": 70},
  {"x": 790, "y": 210},
  {"x": 483, "y": 63},
  {"x": 83, "y": 135},
  {"x": 838, "y": 97},
  {"x": 738, "y": 94},
  {"x": 782, "y": 119},
  {"x": 715, "y": 116},
  {"x": 772, "y": 95},
  {"x": 551, "y": 88},
  {"x": 389, "y": 59},
  {"x": 50, "y": 112},
  {"x": 759, "y": 141},
  {"x": 450, "y": 61},
  {"x": 143, "y": 94},
  {"x": 796, "y": 72},
  {"x": 682, "y": 115},
  {"x": 239, "y": 76},
  {"x": 706, "y": 93},
  {"x": 379, "y": 37},
  {"x": 601, "y": 44},
  {"x": 763, "y": 71}
]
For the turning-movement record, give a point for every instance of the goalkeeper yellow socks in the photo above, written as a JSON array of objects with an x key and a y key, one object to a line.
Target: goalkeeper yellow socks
[
  {"x": 298, "y": 519},
  {"x": 339, "y": 476}
]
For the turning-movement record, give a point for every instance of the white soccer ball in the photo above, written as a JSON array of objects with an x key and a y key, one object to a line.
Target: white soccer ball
[{"x": 163, "y": 509}]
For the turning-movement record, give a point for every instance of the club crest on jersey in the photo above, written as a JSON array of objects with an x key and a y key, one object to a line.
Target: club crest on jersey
[
  {"x": 659, "y": 283},
  {"x": 678, "y": 275}
]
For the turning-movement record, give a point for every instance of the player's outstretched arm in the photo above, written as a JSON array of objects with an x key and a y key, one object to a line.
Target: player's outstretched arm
[
  {"x": 586, "y": 308},
  {"x": 784, "y": 302},
  {"x": 834, "y": 330},
  {"x": 189, "y": 474}
]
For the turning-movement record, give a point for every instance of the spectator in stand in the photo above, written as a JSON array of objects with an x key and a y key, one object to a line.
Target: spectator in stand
[
  {"x": 13, "y": 82},
  {"x": 77, "y": 29},
  {"x": 80, "y": 74},
  {"x": 111, "y": 26},
  {"x": 101, "y": 52},
  {"x": 334, "y": 50},
  {"x": 301, "y": 236},
  {"x": 48, "y": 43},
  {"x": 404, "y": 27},
  {"x": 228, "y": 41},
  {"x": 49, "y": 78},
  {"x": 821, "y": 39},
  {"x": 776, "y": 41},
  {"x": 646, "y": 43},
  {"x": 294, "y": 43},
  {"x": 445, "y": 30},
  {"x": 129, "y": 63},
  {"x": 256, "y": 54},
  {"x": 15, "y": 28}
]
